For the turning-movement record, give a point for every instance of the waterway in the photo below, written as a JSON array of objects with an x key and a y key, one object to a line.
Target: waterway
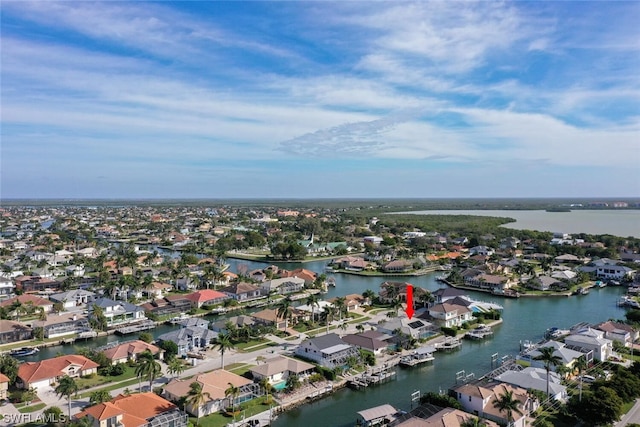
[
  {"x": 524, "y": 319},
  {"x": 623, "y": 223}
]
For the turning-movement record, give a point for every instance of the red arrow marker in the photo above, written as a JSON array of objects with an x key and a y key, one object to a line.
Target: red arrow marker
[{"x": 409, "y": 309}]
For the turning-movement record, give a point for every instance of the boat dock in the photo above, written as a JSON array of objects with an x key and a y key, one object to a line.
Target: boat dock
[
  {"x": 419, "y": 356},
  {"x": 372, "y": 376},
  {"x": 450, "y": 343},
  {"x": 144, "y": 326},
  {"x": 479, "y": 333}
]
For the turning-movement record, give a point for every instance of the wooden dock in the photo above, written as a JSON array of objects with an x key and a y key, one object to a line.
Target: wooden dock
[
  {"x": 145, "y": 326},
  {"x": 372, "y": 376}
]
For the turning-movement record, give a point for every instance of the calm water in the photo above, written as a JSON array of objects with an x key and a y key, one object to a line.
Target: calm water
[
  {"x": 623, "y": 223},
  {"x": 524, "y": 319}
]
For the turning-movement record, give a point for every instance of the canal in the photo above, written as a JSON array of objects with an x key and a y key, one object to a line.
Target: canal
[{"x": 524, "y": 319}]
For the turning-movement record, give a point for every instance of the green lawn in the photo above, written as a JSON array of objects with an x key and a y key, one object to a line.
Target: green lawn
[
  {"x": 115, "y": 386},
  {"x": 243, "y": 346},
  {"x": 250, "y": 408},
  {"x": 32, "y": 408},
  {"x": 84, "y": 383}
]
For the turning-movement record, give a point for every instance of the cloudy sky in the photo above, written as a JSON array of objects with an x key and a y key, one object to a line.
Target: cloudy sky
[{"x": 121, "y": 99}]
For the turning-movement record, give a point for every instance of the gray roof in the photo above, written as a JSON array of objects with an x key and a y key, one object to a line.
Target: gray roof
[
  {"x": 327, "y": 341},
  {"x": 108, "y": 302},
  {"x": 184, "y": 334}
]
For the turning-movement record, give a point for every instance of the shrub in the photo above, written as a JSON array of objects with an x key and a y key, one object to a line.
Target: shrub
[{"x": 450, "y": 332}]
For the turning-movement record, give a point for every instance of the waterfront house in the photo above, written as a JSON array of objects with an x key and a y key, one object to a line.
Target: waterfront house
[
  {"x": 135, "y": 410},
  {"x": 157, "y": 290},
  {"x": 478, "y": 398},
  {"x": 445, "y": 294},
  {"x": 352, "y": 301},
  {"x": 415, "y": 328},
  {"x": 214, "y": 384},
  {"x": 242, "y": 291},
  {"x": 307, "y": 275},
  {"x": 450, "y": 315},
  {"x": 536, "y": 379},
  {"x": 397, "y": 266},
  {"x": 545, "y": 283},
  {"x": 269, "y": 317},
  {"x": 616, "y": 331},
  {"x": 223, "y": 326},
  {"x": 428, "y": 415},
  {"x": 372, "y": 341},
  {"x": 171, "y": 304},
  {"x": 73, "y": 298},
  {"x": 189, "y": 339},
  {"x": 614, "y": 272},
  {"x": 592, "y": 340},
  {"x": 40, "y": 375},
  {"x": 126, "y": 351},
  {"x": 327, "y": 350},
  {"x": 117, "y": 313},
  {"x": 277, "y": 369},
  {"x": 282, "y": 286},
  {"x": 567, "y": 355},
  {"x": 206, "y": 297},
  {"x": 11, "y": 332},
  {"x": 65, "y": 323}
]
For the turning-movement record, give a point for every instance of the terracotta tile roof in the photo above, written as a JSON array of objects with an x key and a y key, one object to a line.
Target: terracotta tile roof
[
  {"x": 124, "y": 350},
  {"x": 136, "y": 409},
  {"x": 206, "y": 295},
  {"x": 26, "y": 299},
  {"x": 4, "y": 378},
  {"x": 30, "y": 372},
  {"x": 215, "y": 383}
]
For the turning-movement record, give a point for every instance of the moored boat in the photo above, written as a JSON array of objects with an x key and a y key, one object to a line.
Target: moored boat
[{"x": 24, "y": 351}]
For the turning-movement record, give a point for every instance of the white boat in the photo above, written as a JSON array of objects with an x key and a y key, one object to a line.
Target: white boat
[
  {"x": 24, "y": 351},
  {"x": 182, "y": 316}
]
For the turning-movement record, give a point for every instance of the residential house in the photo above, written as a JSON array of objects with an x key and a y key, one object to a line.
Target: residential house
[
  {"x": 64, "y": 323},
  {"x": 214, "y": 384},
  {"x": 28, "y": 300},
  {"x": 372, "y": 341},
  {"x": 269, "y": 317},
  {"x": 242, "y": 291},
  {"x": 47, "y": 372},
  {"x": 614, "y": 272},
  {"x": 222, "y": 326},
  {"x": 327, "y": 350},
  {"x": 397, "y": 266},
  {"x": 126, "y": 351},
  {"x": 536, "y": 379},
  {"x": 450, "y": 315},
  {"x": 277, "y": 369},
  {"x": 157, "y": 290},
  {"x": 117, "y": 313},
  {"x": 7, "y": 288},
  {"x": 282, "y": 286},
  {"x": 478, "y": 399},
  {"x": 566, "y": 355},
  {"x": 545, "y": 283},
  {"x": 428, "y": 415},
  {"x": 481, "y": 250},
  {"x": 620, "y": 332},
  {"x": 389, "y": 291},
  {"x": 189, "y": 339},
  {"x": 171, "y": 304},
  {"x": 592, "y": 340},
  {"x": 490, "y": 281},
  {"x": 135, "y": 410},
  {"x": 206, "y": 297},
  {"x": 11, "y": 332},
  {"x": 415, "y": 327},
  {"x": 352, "y": 263},
  {"x": 352, "y": 301},
  {"x": 308, "y": 276},
  {"x": 73, "y": 298},
  {"x": 33, "y": 284}
]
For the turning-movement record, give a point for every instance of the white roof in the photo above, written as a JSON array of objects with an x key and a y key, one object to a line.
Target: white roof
[{"x": 377, "y": 412}]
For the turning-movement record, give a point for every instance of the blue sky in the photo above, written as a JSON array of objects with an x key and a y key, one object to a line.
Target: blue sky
[{"x": 312, "y": 99}]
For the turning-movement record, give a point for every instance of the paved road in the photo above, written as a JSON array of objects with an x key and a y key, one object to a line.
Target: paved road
[{"x": 633, "y": 416}]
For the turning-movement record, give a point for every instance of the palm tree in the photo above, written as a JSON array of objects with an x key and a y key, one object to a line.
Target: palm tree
[
  {"x": 549, "y": 358},
  {"x": 232, "y": 393},
  {"x": 341, "y": 306},
  {"x": 196, "y": 397},
  {"x": 580, "y": 365},
  {"x": 99, "y": 396},
  {"x": 329, "y": 312},
  {"x": 284, "y": 310},
  {"x": 312, "y": 301},
  {"x": 67, "y": 387},
  {"x": 369, "y": 295},
  {"x": 508, "y": 404},
  {"x": 147, "y": 367},
  {"x": 175, "y": 367},
  {"x": 222, "y": 343}
]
